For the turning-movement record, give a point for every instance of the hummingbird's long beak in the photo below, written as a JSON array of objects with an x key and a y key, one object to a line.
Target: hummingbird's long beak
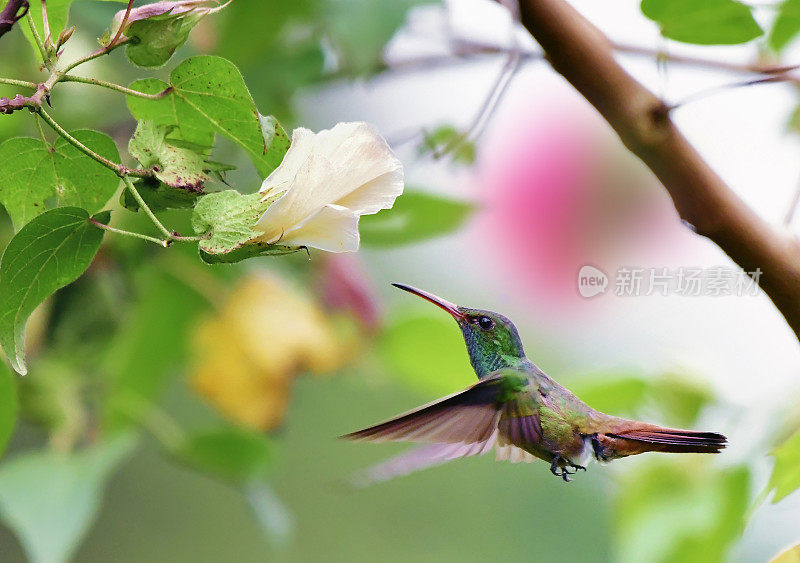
[{"x": 451, "y": 308}]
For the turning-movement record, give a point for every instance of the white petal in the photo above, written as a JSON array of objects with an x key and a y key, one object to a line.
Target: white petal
[
  {"x": 359, "y": 149},
  {"x": 376, "y": 194},
  {"x": 333, "y": 228},
  {"x": 305, "y": 197},
  {"x": 303, "y": 141}
]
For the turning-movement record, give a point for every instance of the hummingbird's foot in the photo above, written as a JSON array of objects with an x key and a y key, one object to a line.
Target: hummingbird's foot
[{"x": 559, "y": 470}]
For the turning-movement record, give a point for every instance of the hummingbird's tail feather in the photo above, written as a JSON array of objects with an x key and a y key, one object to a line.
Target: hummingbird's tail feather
[
  {"x": 658, "y": 439},
  {"x": 416, "y": 459}
]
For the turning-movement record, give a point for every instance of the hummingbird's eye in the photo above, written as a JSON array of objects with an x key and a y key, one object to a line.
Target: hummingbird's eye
[{"x": 485, "y": 323}]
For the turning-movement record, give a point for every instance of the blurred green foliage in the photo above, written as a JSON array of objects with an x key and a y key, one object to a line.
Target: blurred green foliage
[{"x": 710, "y": 22}]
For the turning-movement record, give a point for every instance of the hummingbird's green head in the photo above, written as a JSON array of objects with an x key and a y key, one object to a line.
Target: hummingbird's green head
[{"x": 492, "y": 340}]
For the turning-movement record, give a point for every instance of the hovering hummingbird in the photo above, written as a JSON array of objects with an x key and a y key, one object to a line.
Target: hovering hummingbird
[{"x": 519, "y": 411}]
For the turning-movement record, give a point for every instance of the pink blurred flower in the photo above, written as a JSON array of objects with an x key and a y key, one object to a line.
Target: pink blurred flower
[{"x": 559, "y": 192}]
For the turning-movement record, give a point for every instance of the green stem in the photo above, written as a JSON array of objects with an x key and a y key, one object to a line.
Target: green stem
[
  {"x": 92, "y": 56},
  {"x": 157, "y": 422},
  {"x": 118, "y": 168},
  {"x": 158, "y": 241},
  {"x": 37, "y": 39},
  {"x": 41, "y": 131},
  {"x": 48, "y": 38},
  {"x": 113, "y": 44},
  {"x": 20, "y": 83},
  {"x": 140, "y": 200},
  {"x": 117, "y": 87}
]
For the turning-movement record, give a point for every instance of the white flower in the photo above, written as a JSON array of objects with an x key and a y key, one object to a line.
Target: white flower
[{"x": 329, "y": 180}]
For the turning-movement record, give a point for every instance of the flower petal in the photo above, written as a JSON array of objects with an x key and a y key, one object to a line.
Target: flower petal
[
  {"x": 302, "y": 145},
  {"x": 376, "y": 194},
  {"x": 333, "y": 228},
  {"x": 301, "y": 200}
]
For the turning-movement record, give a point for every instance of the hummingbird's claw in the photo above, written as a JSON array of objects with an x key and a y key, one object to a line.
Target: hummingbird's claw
[
  {"x": 560, "y": 467},
  {"x": 563, "y": 470}
]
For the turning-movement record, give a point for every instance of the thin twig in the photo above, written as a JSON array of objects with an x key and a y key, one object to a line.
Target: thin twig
[
  {"x": 11, "y": 14},
  {"x": 117, "y": 87},
  {"x": 143, "y": 204},
  {"x": 48, "y": 37},
  {"x": 20, "y": 83},
  {"x": 702, "y": 94},
  {"x": 38, "y": 120},
  {"x": 118, "y": 168},
  {"x": 113, "y": 44},
  {"x": 472, "y": 52},
  {"x": 37, "y": 39},
  {"x": 158, "y": 241}
]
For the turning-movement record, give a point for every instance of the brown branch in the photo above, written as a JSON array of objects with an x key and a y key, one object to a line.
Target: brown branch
[
  {"x": 585, "y": 57},
  {"x": 11, "y": 14}
]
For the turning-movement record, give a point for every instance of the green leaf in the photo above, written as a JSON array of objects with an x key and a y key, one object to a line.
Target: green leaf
[
  {"x": 209, "y": 96},
  {"x": 228, "y": 218},
  {"x": 45, "y": 255},
  {"x": 163, "y": 112},
  {"x": 31, "y": 173},
  {"x": 8, "y": 405},
  {"x": 438, "y": 363},
  {"x": 249, "y": 250},
  {"x": 232, "y": 454},
  {"x": 785, "y": 477},
  {"x": 680, "y": 510},
  {"x": 446, "y": 140},
  {"x": 786, "y": 25},
  {"x": 50, "y": 499},
  {"x": 416, "y": 216},
  {"x": 212, "y": 90},
  {"x": 706, "y": 22},
  {"x": 174, "y": 166},
  {"x": 151, "y": 344}
]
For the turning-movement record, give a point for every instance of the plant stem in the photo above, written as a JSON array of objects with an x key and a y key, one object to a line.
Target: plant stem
[
  {"x": 112, "y": 86},
  {"x": 113, "y": 44},
  {"x": 37, "y": 39},
  {"x": 100, "y": 225},
  {"x": 140, "y": 200},
  {"x": 37, "y": 119},
  {"x": 118, "y": 168},
  {"x": 11, "y": 14},
  {"x": 48, "y": 38},
  {"x": 20, "y": 83}
]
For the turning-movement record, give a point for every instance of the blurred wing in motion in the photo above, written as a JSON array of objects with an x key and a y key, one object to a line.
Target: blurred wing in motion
[
  {"x": 467, "y": 417},
  {"x": 416, "y": 459}
]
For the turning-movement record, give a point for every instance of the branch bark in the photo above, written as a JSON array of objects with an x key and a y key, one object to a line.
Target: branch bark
[
  {"x": 585, "y": 57},
  {"x": 13, "y": 12}
]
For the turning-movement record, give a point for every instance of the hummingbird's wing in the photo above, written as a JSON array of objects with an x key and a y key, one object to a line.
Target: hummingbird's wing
[
  {"x": 418, "y": 458},
  {"x": 467, "y": 417}
]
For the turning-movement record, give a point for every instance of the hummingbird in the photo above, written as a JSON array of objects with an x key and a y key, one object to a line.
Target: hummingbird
[{"x": 517, "y": 410}]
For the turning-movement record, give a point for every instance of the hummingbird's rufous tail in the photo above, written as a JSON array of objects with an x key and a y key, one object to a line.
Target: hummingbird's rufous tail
[{"x": 651, "y": 438}]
